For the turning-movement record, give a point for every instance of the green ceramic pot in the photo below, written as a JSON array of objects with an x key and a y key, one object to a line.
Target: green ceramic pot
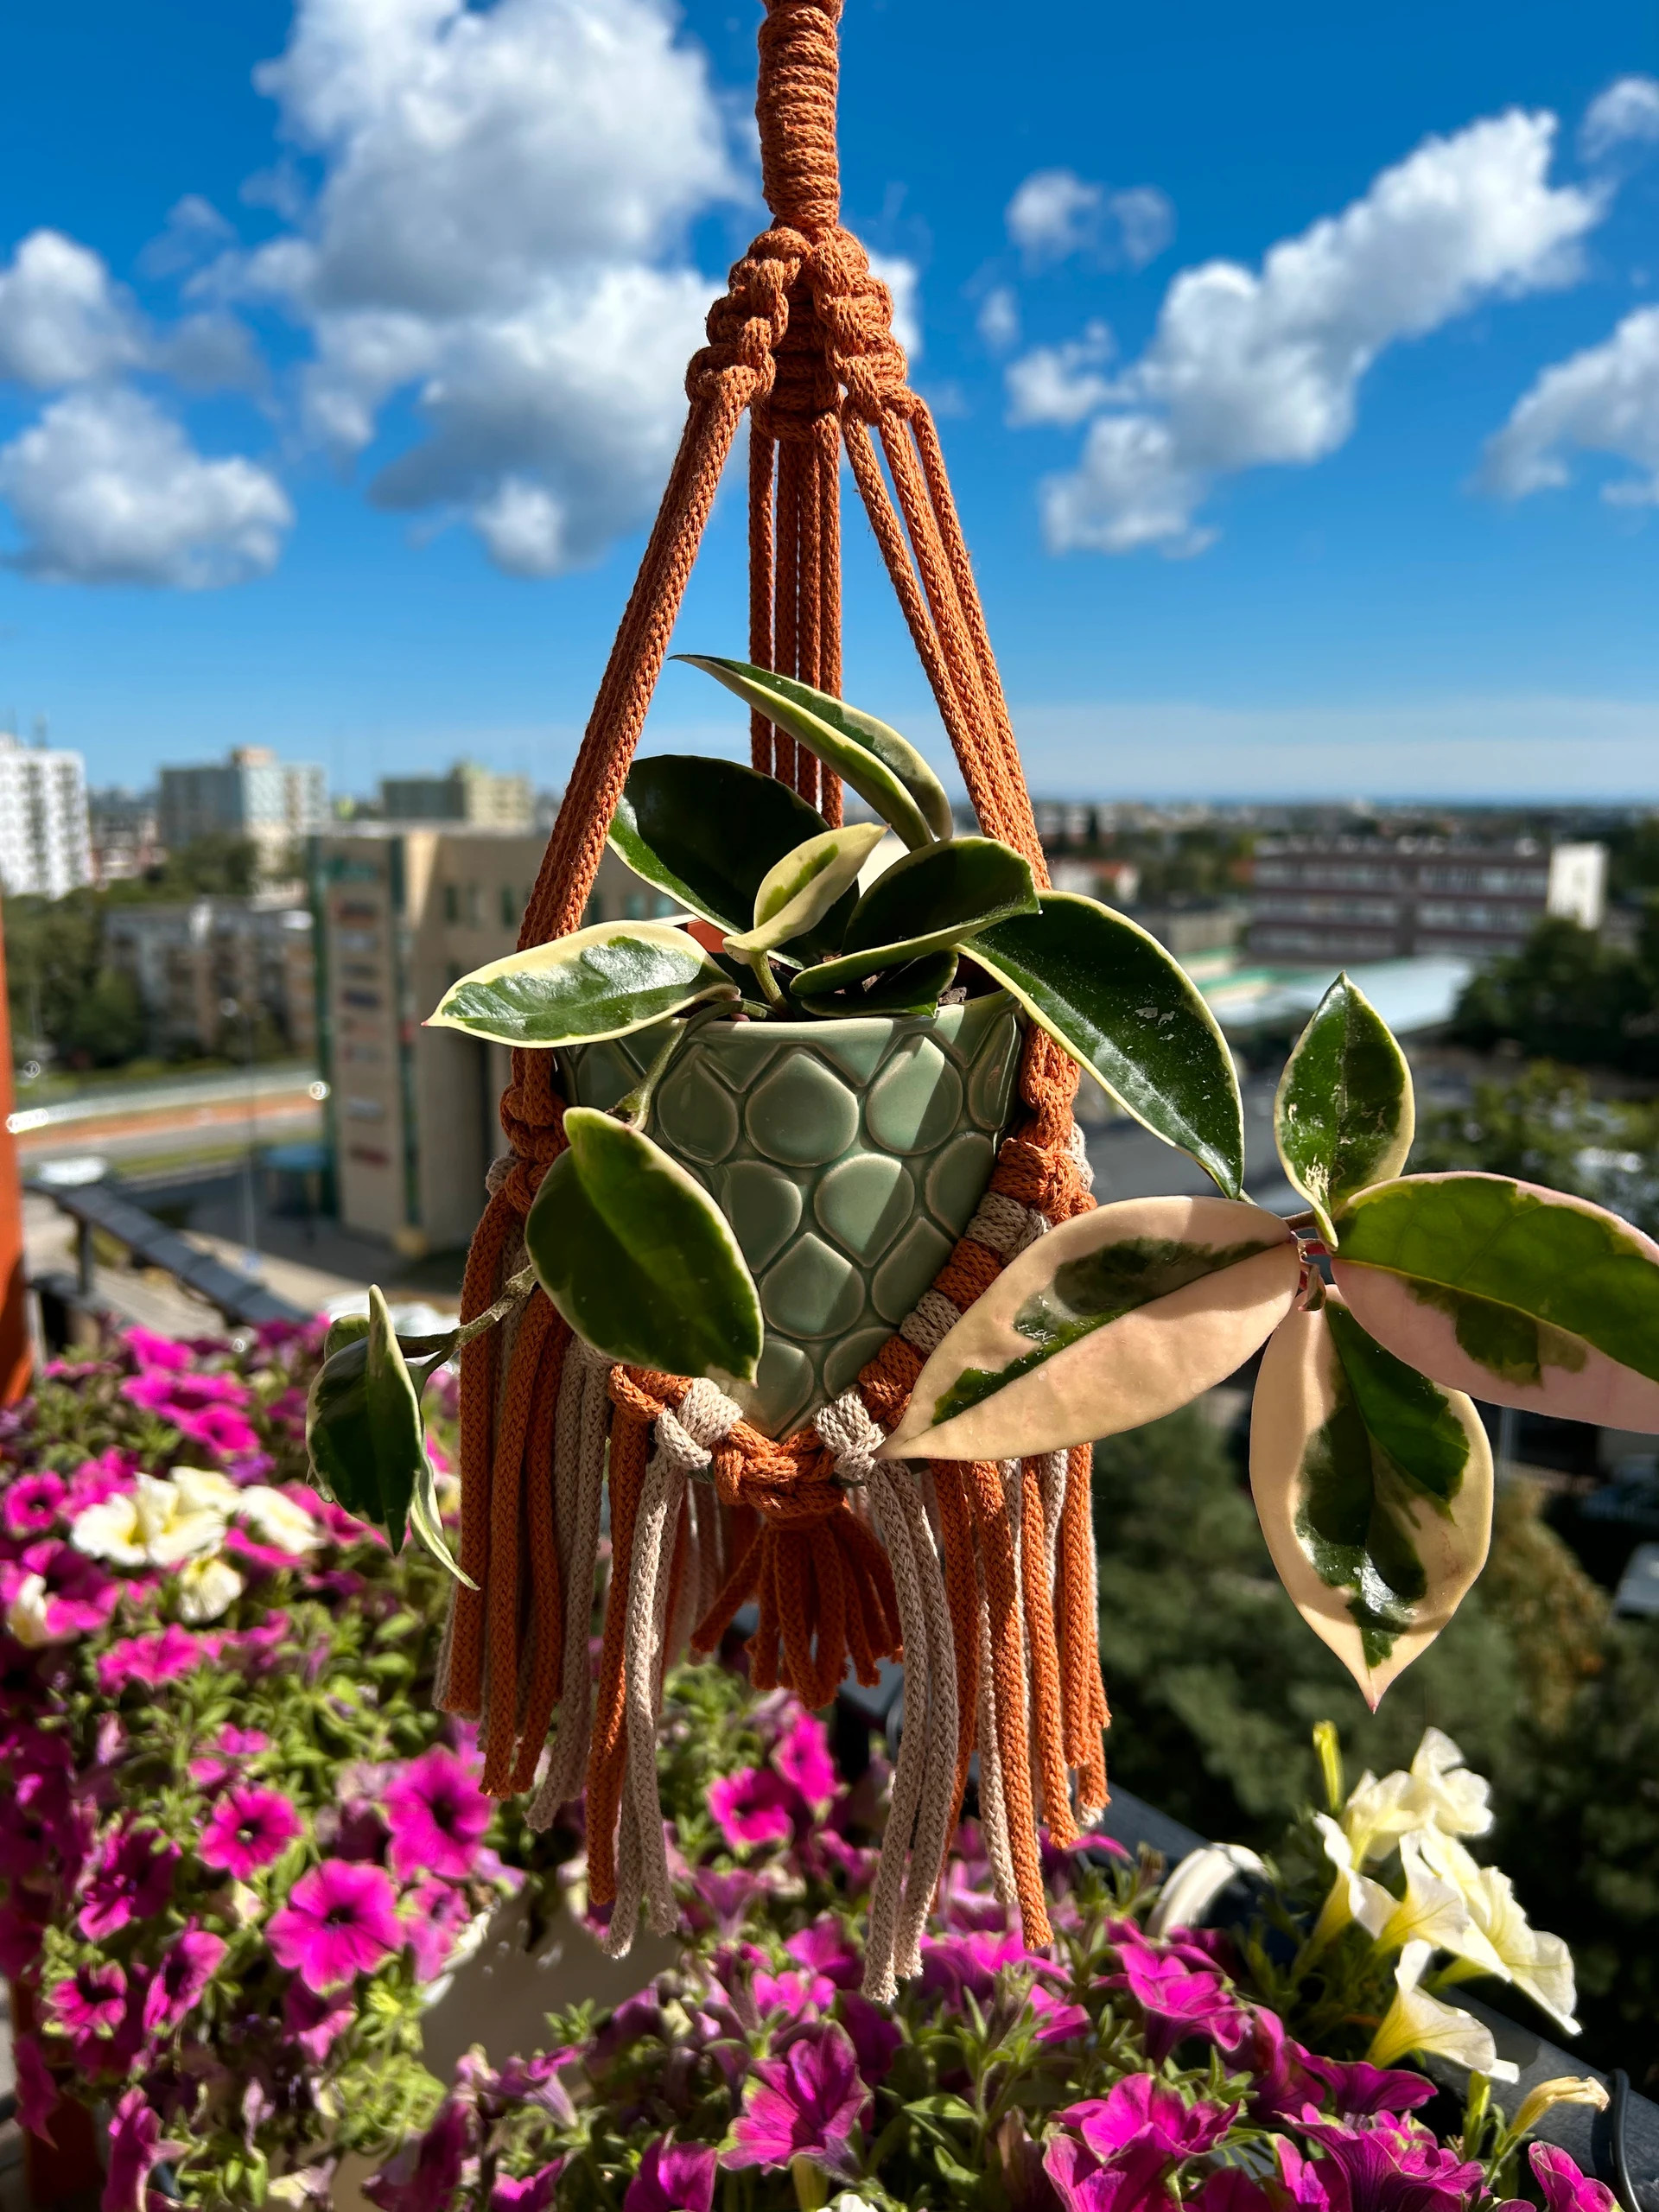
[{"x": 848, "y": 1157}]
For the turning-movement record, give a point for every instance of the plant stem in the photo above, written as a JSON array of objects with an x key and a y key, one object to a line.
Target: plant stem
[
  {"x": 761, "y": 964},
  {"x": 518, "y": 1288},
  {"x": 634, "y": 1108}
]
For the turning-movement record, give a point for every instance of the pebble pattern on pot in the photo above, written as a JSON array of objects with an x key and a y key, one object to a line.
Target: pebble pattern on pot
[{"x": 848, "y": 1157}]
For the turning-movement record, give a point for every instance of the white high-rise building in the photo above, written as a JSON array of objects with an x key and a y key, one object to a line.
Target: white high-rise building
[{"x": 45, "y": 832}]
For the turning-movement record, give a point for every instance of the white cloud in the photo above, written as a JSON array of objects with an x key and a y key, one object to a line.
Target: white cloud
[
  {"x": 1061, "y": 384},
  {"x": 903, "y": 280},
  {"x": 194, "y": 232},
  {"x": 1055, "y": 213},
  {"x": 499, "y": 229},
  {"x": 1626, "y": 113},
  {"x": 61, "y": 320},
  {"x": 104, "y": 488},
  {"x": 1250, "y": 368},
  {"x": 999, "y": 318},
  {"x": 1604, "y": 399}
]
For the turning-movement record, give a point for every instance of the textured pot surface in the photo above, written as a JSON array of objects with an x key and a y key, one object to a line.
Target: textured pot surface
[{"x": 848, "y": 1157}]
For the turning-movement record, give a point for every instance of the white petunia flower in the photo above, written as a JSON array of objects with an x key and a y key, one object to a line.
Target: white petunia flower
[
  {"x": 26, "y": 1614},
  {"x": 1564, "y": 2089},
  {"x": 162, "y": 1521},
  {"x": 278, "y": 1519},
  {"x": 1434, "y": 1911},
  {"x": 1439, "y": 1792},
  {"x": 1534, "y": 1960},
  {"x": 1416, "y": 2022},
  {"x": 1353, "y": 1896},
  {"x": 206, "y": 1587}
]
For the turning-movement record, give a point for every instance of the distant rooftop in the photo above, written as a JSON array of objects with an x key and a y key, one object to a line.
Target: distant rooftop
[{"x": 1410, "y": 994}]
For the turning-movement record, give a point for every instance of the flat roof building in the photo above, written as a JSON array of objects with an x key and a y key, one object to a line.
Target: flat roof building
[
  {"x": 274, "y": 805},
  {"x": 45, "y": 832}
]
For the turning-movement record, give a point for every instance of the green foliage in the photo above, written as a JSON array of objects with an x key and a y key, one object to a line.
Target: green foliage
[
  {"x": 1567, "y": 996},
  {"x": 1539, "y": 1125}
]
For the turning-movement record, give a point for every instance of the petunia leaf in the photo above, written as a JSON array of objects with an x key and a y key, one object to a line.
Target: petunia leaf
[
  {"x": 795, "y": 895},
  {"x": 605, "y": 981},
  {"x": 638, "y": 1257},
  {"x": 1115, "y": 1318},
  {"x": 1521, "y": 1296},
  {"x": 884, "y": 769},
  {"x": 363, "y": 1431},
  {"x": 1374, "y": 1489},
  {"x": 931, "y": 902},
  {"x": 1131, "y": 1017},
  {"x": 1343, "y": 1116},
  {"x": 707, "y": 832}
]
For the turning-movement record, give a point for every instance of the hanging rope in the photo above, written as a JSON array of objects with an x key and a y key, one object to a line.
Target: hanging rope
[{"x": 982, "y": 1576}]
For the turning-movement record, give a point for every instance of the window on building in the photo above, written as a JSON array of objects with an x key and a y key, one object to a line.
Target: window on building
[
  {"x": 474, "y": 905},
  {"x": 451, "y": 902},
  {"x": 509, "y": 908}
]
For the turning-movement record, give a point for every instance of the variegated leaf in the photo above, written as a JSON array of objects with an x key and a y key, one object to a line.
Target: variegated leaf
[
  {"x": 1345, "y": 1115},
  {"x": 799, "y": 891},
  {"x": 603, "y": 982},
  {"x": 1521, "y": 1296},
  {"x": 1111, "y": 1319},
  {"x": 1374, "y": 1489}
]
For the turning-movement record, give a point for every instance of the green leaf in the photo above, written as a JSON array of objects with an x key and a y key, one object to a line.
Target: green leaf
[
  {"x": 795, "y": 896},
  {"x": 344, "y": 1329},
  {"x": 886, "y": 770},
  {"x": 1374, "y": 1489},
  {"x": 1113, "y": 1320},
  {"x": 603, "y": 982},
  {"x": 638, "y": 1257},
  {"x": 1343, "y": 1116},
  {"x": 913, "y": 988},
  {"x": 1131, "y": 1017},
  {"x": 707, "y": 832},
  {"x": 363, "y": 1425},
  {"x": 931, "y": 902},
  {"x": 1519, "y": 1296}
]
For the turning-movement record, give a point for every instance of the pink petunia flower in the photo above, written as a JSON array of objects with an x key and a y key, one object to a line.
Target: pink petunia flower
[
  {"x": 1133, "y": 2179},
  {"x": 1140, "y": 2108},
  {"x": 341, "y": 1920},
  {"x": 219, "y": 1429},
  {"x": 751, "y": 1807},
  {"x": 1356, "y": 2089},
  {"x": 534, "y": 2193},
  {"x": 1565, "y": 2189},
  {"x": 822, "y": 1949},
  {"x": 58, "y": 1588},
  {"x": 423, "y": 2175},
  {"x": 437, "y": 1815},
  {"x": 1386, "y": 2163},
  {"x": 37, "y": 2091},
  {"x": 804, "y": 2104},
  {"x": 94, "y": 1997},
  {"x": 132, "y": 1881},
  {"x": 955, "y": 1966},
  {"x": 722, "y": 1900},
  {"x": 1058, "y": 2022},
  {"x": 1178, "y": 1997},
  {"x": 434, "y": 1915},
  {"x": 247, "y": 1829},
  {"x": 152, "y": 1660},
  {"x": 188, "y": 1965},
  {"x": 136, "y": 2149},
  {"x": 219, "y": 1761},
  {"x": 316, "y": 2021},
  {"x": 1229, "y": 2189},
  {"x": 802, "y": 1757},
  {"x": 157, "y": 1355},
  {"x": 111, "y": 1475},
  {"x": 673, "y": 2178},
  {"x": 34, "y": 1503},
  {"x": 875, "y": 2034}
]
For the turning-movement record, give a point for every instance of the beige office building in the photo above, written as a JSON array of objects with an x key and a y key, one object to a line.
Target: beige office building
[{"x": 402, "y": 910}]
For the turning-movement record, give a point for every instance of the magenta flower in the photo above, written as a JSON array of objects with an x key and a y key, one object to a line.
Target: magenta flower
[
  {"x": 1142, "y": 2109},
  {"x": 1229, "y": 2189},
  {"x": 1357, "y": 2089},
  {"x": 875, "y": 2034},
  {"x": 823, "y": 1949},
  {"x": 723, "y": 1898},
  {"x": 340, "y": 1921},
  {"x": 132, "y": 1881},
  {"x": 188, "y": 1965},
  {"x": 1133, "y": 2179},
  {"x": 803, "y": 2105},
  {"x": 247, "y": 1829},
  {"x": 34, "y": 1503},
  {"x": 41, "y": 1825},
  {"x": 1178, "y": 1999},
  {"x": 1565, "y": 2189},
  {"x": 93, "y": 1998},
  {"x": 673, "y": 2178},
  {"x": 37, "y": 2091},
  {"x": 220, "y": 1759},
  {"x": 157, "y": 1355},
  {"x": 20, "y": 1937},
  {"x": 954, "y": 1966},
  {"x": 424, "y": 2175},
  {"x": 751, "y": 1807},
  {"x": 796, "y": 1996},
  {"x": 316, "y": 2022},
  {"x": 434, "y": 1915},
  {"x": 1058, "y": 2022},
  {"x": 533, "y": 2194},
  {"x": 437, "y": 1815},
  {"x": 136, "y": 2149},
  {"x": 70, "y": 1594},
  {"x": 1388, "y": 2163},
  {"x": 801, "y": 1755},
  {"x": 153, "y": 1660},
  {"x": 219, "y": 1429},
  {"x": 111, "y": 1475}
]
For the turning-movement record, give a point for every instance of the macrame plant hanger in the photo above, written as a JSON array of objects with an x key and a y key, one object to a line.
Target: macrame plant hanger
[{"x": 981, "y": 1575}]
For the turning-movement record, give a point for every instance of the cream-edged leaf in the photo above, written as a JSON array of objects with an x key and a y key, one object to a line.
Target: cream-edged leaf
[
  {"x": 1374, "y": 1489},
  {"x": 605, "y": 980},
  {"x": 796, "y": 894},
  {"x": 1345, "y": 1115},
  {"x": 1520, "y": 1295},
  {"x": 1115, "y": 1318}
]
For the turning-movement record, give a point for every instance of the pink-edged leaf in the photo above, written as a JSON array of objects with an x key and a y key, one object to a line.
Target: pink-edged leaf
[
  {"x": 1520, "y": 1295},
  {"x": 1374, "y": 1489},
  {"x": 1110, "y": 1321}
]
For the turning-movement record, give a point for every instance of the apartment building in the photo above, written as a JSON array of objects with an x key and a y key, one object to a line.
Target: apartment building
[
  {"x": 192, "y": 959},
  {"x": 45, "y": 840},
  {"x": 126, "y": 837},
  {"x": 274, "y": 804},
  {"x": 468, "y": 794},
  {"x": 1344, "y": 899},
  {"x": 403, "y": 911}
]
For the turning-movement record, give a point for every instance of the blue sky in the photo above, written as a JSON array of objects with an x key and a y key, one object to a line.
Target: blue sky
[{"x": 1299, "y": 377}]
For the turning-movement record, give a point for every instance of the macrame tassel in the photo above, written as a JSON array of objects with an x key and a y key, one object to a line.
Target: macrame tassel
[{"x": 581, "y": 1434}]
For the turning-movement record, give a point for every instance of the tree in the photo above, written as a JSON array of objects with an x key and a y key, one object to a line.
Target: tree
[
  {"x": 1543, "y": 1125},
  {"x": 1565, "y": 996}
]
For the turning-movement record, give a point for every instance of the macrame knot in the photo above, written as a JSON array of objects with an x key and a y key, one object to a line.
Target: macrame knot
[
  {"x": 795, "y": 105},
  {"x": 535, "y": 1129},
  {"x": 1043, "y": 1177},
  {"x": 746, "y": 324},
  {"x": 855, "y": 314}
]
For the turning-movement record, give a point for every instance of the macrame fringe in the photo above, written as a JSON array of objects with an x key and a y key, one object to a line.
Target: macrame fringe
[{"x": 981, "y": 1577}]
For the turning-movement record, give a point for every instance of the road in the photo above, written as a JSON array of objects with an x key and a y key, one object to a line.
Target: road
[{"x": 154, "y": 1121}]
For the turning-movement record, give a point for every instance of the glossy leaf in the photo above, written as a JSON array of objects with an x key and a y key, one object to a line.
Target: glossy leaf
[
  {"x": 1345, "y": 1115},
  {"x": 1131, "y": 1017},
  {"x": 638, "y": 1257},
  {"x": 796, "y": 894},
  {"x": 884, "y": 769},
  {"x": 930, "y": 901},
  {"x": 1519, "y": 1296},
  {"x": 605, "y": 981},
  {"x": 1374, "y": 1489},
  {"x": 363, "y": 1426},
  {"x": 1113, "y": 1319},
  {"x": 915, "y": 988},
  {"x": 707, "y": 832}
]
